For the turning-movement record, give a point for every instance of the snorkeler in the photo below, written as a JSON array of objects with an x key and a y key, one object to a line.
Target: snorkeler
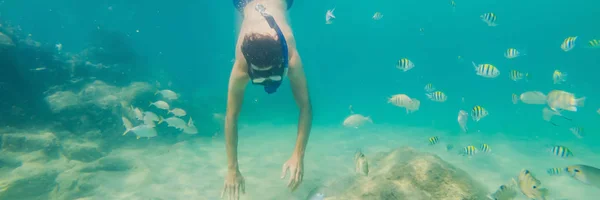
[{"x": 265, "y": 54}]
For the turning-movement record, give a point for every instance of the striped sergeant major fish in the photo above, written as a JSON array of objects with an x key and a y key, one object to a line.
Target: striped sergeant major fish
[{"x": 486, "y": 70}]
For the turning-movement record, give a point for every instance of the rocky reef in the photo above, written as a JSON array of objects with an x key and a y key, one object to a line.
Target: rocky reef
[
  {"x": 406, "y": 174},
  {"x": 38, "y": 165}
]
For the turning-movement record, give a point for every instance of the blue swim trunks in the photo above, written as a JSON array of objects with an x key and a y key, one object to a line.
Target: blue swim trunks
[{"x": 240, "y": 4}]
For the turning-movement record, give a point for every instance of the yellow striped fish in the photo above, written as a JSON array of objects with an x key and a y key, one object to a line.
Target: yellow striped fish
[
  {"x": 556, "y": 171},
  {"x": 594, "y": 43},
  {"x": 469, "y": 150},
  {"x": 437, "y": 96},
  {"x": 486, "y": 70},
  {"x": 577, "y": 131},
  {"x": 478, "y": 113},
  {"x": 568, "y": 43},
  {"x": 485, "y": 148},
  {"x": 453, "y": 4},
  {"x": 512, "y": 53},
  {"x": 561, "y": 151},
  {"x": 405, "y": 64},
  {"x": 558, "y": 77},
  {"x": 516, "y": 75},
  {"x": 429, "y": 88},
  {"x": 489, "y": 18},
  {"x": 434, "y": 140}
]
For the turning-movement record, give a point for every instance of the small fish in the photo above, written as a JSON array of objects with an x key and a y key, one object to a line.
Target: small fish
[
  {"x": 414, "y": 106},
  {"x": 469, "y": 150},
  {"x": 434, "y": 140},
  {"x": 478, "y": 113},
  {"x": 533, "y": 97},
  {"x": 561, "y": 151},
  {"x": 453, "y": 4},
  {"x": 361, "y": 163},
  {"x": 190, "y": 129},
  {"x": 577, "y": 131},
  {"x": 167, "y": 94},
  {"x": 144, "y": 131},
  {"x": 149, "y": 118},
  {"x": 377, "y": 16},
  {"x": 437, "y": 96},
  {"x": 429, "y": 88},
  {"x": 504, "y": 192},
  {"x": 400, "y": 100},
  {"x": 512, "y": 53},
  {"x": 595, "y": 43},
  {"x": 58, "y": 46},
  {"x": 555, "y": 171},
  {"x": 329, "y": 16},
  {"x": 486, "y": 70},
  {"x": 515, "y": 98},
  {"x": 422, "y": 30},
  {"x": 178, "y": 112},
  {"x": 598, "y": 111},
  {"x": 561, "y": 100},
  {"x": 405, "y": 64},
  {"x": 586, "y": 174},
  {"x": 127, "y": 124},
  {"x": 175, "y": 122},
  {"x": 530, "y": 186},
  {"x": 558, "y": 77},
  {"x": 38, "y": 69},
  {"x": 485, "y": 148},
  {"x": 568, "y": 44},
  {"x": 160, "y": 104},
  {"x": 356, "y": 120},
  {"x": 463, "y": 117},
  {"x": 516, "y": 75},
  {"x": 138, "y": 113},
  {"x": 489, "y": 18},
  {"x": 547, "y": 115}
]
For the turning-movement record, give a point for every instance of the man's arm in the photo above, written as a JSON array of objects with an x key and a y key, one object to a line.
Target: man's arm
[
  {"x": 300, "y": 90},
  {"x": 235, "y": 96}
]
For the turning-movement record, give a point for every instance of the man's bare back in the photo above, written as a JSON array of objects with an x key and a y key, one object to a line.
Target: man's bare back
[{"x": 265, "y": 54}]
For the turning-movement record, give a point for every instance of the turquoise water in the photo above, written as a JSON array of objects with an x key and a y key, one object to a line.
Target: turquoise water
[{"x": 189, "y": 45}]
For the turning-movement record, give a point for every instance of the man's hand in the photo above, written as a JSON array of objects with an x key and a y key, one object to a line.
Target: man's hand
[
  {"x": 234, "y": 184},
  {"x": 296, "y": 167}
]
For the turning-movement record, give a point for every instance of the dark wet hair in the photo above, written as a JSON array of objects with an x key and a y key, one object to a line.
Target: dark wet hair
[{"x": 262, "y": 50}]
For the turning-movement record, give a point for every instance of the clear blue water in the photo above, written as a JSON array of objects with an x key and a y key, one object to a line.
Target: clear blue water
[{"x": 351, "y": 62}]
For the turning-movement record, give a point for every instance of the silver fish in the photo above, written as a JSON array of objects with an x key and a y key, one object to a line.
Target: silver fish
[
  {"x": 463, "y": 117},
  {"x": 531, "y": 186},
  {"x": 361, "y": 163},
  {"x": 586, "y": 174}
]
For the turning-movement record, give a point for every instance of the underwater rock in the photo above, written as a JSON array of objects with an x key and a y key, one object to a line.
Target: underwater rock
[
  {"x": 408, "y": 174},
  {"x": 29, "y": 142},
  {"x": 110, "y": 163},
  {"x": 5, "y": 41},
  {"x": 84, "y": 151},
  {"x": 29, "y": 181}
]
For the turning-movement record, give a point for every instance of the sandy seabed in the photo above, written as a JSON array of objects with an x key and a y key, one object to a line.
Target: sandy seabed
[{"x": 195, "y": 168}]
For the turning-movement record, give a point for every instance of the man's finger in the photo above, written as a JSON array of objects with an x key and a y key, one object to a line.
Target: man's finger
[
  {"x": 236, "y": 194},
  {"x": 290, "y": 181},
  {"x": 223, "y": 191},
  {"x": 284, "y": 170},
  {"x": 231, "y": 197}
]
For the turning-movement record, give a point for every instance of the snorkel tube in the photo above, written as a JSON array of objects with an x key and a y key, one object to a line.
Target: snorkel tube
[{"x": 272, "y": 88}]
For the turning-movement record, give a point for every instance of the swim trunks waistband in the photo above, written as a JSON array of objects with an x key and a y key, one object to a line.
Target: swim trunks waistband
[{"x": 240, "y": 4}]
